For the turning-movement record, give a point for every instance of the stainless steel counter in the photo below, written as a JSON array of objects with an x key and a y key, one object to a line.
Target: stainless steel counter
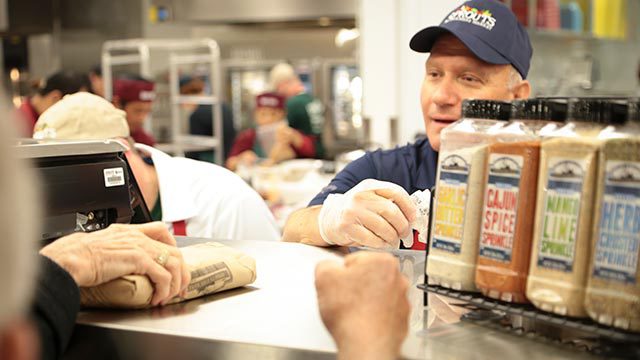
[{"x": 277, "y": 318}]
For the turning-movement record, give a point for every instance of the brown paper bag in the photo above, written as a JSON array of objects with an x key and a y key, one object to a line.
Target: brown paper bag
[{"x": 214, "y": 267}]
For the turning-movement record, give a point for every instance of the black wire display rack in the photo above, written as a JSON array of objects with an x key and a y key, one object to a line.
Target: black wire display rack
[
  {"x": 609, "y": 339},
  {"x": 602, "y": 339}
]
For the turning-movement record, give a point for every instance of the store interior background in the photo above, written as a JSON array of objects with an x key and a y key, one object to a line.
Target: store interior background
[{"x": 68, "y": 34}]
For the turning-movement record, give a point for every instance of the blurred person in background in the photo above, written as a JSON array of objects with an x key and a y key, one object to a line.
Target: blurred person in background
[
  {"x": 193, "y": 198},
  {"x": 49, "y": 91},
  {"x": 304, "y": 113},
  {"x": 200, "y": 120},
  {"x": 135, "y": 96},
  {"x": 95, "y": 78},
  {"x": 271, "y": 139},
  {"x": 479, "y": 51}
]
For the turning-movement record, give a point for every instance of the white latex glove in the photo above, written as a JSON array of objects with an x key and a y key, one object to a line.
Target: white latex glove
[{"x": 373, "y": 213}]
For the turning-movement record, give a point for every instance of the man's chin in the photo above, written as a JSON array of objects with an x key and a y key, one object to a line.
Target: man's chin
[{"x": 434, "y": 141}]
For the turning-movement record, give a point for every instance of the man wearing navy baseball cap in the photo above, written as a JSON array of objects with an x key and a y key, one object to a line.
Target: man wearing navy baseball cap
[{"x": 478, "y": 51}]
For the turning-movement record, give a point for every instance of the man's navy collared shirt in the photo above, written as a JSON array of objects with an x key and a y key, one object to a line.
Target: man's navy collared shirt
[{"x": 412, "y": 166}]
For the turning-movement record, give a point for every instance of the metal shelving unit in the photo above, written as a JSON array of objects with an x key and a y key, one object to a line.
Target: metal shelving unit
[{"x": 179, "y": 52}]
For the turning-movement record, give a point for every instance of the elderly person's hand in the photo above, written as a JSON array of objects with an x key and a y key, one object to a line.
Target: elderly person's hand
[
  {"x": 364, "y": 305},
  {"x": 373, "y": 213},
  {"x": 147, "y": 249}
]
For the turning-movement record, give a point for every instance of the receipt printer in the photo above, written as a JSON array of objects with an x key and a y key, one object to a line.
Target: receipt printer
[{"x": 85, "y": 185}]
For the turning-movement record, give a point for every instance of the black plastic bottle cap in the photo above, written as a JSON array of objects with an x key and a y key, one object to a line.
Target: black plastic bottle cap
[
  {"x": 486, "y": 109},
  {"x": 539, "y": 109},
  {"x": 634, "y": 110},
  {"x": 603, "y": 111}
]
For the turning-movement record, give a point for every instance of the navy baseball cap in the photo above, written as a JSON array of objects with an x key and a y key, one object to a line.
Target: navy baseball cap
[{"x": 488, "y": 28}]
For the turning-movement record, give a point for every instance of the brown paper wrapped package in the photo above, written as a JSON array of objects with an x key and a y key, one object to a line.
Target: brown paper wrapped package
[{"x": 213, "y": 266}]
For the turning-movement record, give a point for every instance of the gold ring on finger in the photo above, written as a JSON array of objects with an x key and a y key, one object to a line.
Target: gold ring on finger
[{"x": 163, "y": 257}]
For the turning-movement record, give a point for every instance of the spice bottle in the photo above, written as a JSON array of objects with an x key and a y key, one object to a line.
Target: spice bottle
[
  {"x": 453, "y": 245},
  {"x": 613, "y": 286},
  {"x": 564, "y": 210},
  {"x": 510, "y": 199}
]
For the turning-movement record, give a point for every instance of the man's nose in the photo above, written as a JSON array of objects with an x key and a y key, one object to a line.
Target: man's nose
[{"x": 446, "y": 93}]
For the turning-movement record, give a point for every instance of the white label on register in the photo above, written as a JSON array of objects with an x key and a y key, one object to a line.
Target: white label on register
[{"x": 113, "y": 177}]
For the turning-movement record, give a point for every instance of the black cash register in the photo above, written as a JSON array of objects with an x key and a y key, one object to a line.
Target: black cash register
[{"x": 86, "y": 185}]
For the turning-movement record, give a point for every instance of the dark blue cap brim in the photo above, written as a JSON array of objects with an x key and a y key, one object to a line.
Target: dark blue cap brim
[{"x": 424, "y": 40}]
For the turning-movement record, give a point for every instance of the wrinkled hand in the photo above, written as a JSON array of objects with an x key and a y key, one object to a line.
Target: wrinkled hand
[
  {"x": 364, "y": 305},
  {"x": 373, "y": 213},
  {"x": 98, "y": 257}
]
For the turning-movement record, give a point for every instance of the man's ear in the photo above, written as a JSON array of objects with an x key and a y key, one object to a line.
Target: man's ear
[
  {"x": 522, "y": 90},
  {"x": 18, "y": 340}
]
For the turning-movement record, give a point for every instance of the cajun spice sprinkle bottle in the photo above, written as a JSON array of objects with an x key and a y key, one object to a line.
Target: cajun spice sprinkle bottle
[{"x": 510, "y": 199}]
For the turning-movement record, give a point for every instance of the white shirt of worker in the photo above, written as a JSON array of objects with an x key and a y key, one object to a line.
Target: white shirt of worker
[{"x": 213, "y": 201}]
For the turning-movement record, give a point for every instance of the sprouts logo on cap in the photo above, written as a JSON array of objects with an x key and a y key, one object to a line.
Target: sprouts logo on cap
[
  {"x": 146, "y": 95},
  {"x": 473, "y": 16},
  {"x": 268, "y": 102}
]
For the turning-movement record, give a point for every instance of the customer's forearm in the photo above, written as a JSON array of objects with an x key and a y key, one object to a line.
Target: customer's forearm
[{"x": 302, "y": 227}]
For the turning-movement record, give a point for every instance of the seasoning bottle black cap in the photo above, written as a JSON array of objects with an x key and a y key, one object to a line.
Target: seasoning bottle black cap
[
  {"x": 539, "y": 109},
  {"x": 595, "y": 110},
  {"x": 633, "y": 114},
  {"x": 622, "y": 110},
  {"x": 486, "y": 109}
]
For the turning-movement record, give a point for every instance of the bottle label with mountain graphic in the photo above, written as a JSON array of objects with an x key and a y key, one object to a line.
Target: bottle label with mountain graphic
[
  {"x": 451, "y": 196},
  {"x": 616, "y": 255},
  {"x": 560, "y": 213},
  {"x": 500, "y": 206}
]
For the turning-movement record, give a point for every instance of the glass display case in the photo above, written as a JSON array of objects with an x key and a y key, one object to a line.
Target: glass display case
[{"x": 343, "y": 100}]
